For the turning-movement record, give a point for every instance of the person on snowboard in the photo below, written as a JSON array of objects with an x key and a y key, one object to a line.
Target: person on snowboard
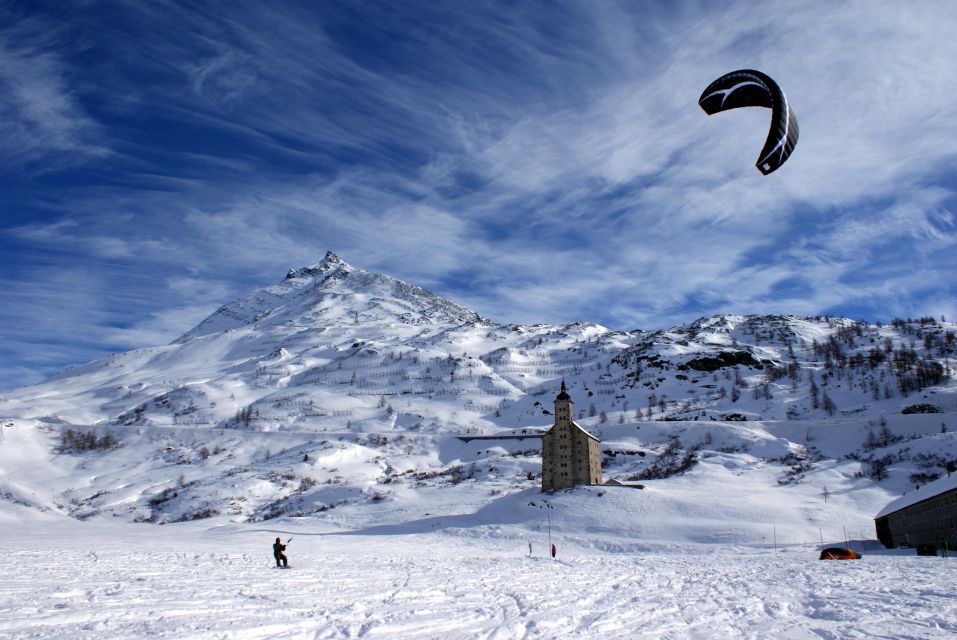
[{"x": 277, "y": 551}]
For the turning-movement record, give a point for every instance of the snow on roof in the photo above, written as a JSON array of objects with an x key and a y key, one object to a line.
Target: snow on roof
[
  {"x": 585, "y": 431},
  {"x": 926, "y": 492}
]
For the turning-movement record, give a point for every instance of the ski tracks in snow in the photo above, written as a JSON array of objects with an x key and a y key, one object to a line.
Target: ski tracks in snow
[{"x": 439, "y": 586}]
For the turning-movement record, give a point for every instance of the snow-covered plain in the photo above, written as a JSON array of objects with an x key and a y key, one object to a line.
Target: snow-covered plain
[{"x": 105, "y": 580}]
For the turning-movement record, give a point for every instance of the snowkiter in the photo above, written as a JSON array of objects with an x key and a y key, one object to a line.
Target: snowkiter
[
  {"x": 277, "y": 551},
  {"x": 554, "y": 551}
]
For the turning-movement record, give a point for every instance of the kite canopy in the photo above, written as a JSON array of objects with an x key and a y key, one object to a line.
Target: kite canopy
[{"x": 748, "y": 88}]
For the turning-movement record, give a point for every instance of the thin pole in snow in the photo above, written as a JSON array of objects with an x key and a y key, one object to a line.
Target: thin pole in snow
[
  {"x": 549, "y": 513},
  {"x": 774, "y": 529},
  {"x": 822, "y": 537},
  {"x": 846, "y": 541}
]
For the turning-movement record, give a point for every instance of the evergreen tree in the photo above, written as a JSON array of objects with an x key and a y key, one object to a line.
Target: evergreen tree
[
  {"x": 878, "y": 470},
  {"x": 886, "y": 436},
  {"x": 829, "y": 405}
]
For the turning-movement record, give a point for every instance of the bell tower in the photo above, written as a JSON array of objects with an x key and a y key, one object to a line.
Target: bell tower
[{"x": 564, "y": 407}]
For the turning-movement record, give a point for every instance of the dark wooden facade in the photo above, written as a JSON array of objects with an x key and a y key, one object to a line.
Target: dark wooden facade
[{"x": 930, "y": 520}]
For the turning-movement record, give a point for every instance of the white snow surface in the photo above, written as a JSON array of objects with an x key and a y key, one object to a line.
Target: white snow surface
[
  {"x": 106, "y": 580},
  {"x": 363, "y": 417}
]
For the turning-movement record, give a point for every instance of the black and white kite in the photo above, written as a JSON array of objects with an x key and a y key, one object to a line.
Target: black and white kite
[{"x": 748, "y": 88}]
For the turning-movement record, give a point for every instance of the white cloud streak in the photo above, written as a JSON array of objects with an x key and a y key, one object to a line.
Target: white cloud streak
[
  {"x": 540, "y": 166},
  {"x": 41, "y": 119}
]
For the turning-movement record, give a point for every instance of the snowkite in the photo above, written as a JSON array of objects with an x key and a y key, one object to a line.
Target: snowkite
[{"x": 748, "y": 88}]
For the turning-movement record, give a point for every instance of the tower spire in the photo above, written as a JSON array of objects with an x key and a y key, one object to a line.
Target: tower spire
[{"x": 563, "y": 394}]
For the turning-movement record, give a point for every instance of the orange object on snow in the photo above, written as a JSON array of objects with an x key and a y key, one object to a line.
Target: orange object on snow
[{"x": 839, "y": 553}]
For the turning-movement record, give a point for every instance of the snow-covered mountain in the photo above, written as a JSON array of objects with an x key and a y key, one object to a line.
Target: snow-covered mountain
[
  {"x": 352, "y": 396},
  {"x": 333, "y": 292}
]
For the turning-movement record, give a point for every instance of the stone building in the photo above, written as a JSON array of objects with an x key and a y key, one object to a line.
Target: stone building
[
  {"x": 570, "y": 455},
  {"x": 927, "y": 516}
]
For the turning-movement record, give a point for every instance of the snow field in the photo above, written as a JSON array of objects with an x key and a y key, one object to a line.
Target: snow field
[{"x": 97, "y": 580}]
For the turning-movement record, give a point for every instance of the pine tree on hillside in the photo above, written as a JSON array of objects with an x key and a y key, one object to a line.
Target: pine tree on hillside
[
  {"x": 813, "y": 391},
  {"x": 829, "y": 405},
  {"x": 878, "y": 470}
]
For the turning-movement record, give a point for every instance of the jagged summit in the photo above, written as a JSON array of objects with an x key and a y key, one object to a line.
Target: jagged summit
[
  {"x": 332, "y": 292},
  {"x": 330, "y": 264}
]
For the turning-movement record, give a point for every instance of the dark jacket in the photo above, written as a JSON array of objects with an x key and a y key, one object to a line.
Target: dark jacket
[{"x": 278, "y": 548}]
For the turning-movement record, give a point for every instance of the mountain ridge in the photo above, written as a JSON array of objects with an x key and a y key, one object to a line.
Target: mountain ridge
[
  {"x": 303, "y": 296},
  {"x": 363, "y": 384}
]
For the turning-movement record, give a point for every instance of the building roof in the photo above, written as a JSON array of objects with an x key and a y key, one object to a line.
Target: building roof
[
  {"x": 928, "y": 491},
  {"x": 575, "y": 425}
]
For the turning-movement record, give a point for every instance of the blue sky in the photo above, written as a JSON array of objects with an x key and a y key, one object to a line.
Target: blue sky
[{"x": 536, "y": 161}]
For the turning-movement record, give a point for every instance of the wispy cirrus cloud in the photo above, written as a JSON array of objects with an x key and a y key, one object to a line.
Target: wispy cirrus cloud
[
  {"x": 542, "y": 163},
  {"x": 41, "y": 117}
]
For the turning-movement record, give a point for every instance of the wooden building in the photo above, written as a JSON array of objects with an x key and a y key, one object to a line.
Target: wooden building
[
  {"x": 570, "y": 455},
  {"x": 927, "y": 516}
]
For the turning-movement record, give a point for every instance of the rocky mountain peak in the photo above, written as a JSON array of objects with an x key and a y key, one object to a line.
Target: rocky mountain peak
[
  {"x": 328, "y": 291},
  {"x": 331, "y": 264}
]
